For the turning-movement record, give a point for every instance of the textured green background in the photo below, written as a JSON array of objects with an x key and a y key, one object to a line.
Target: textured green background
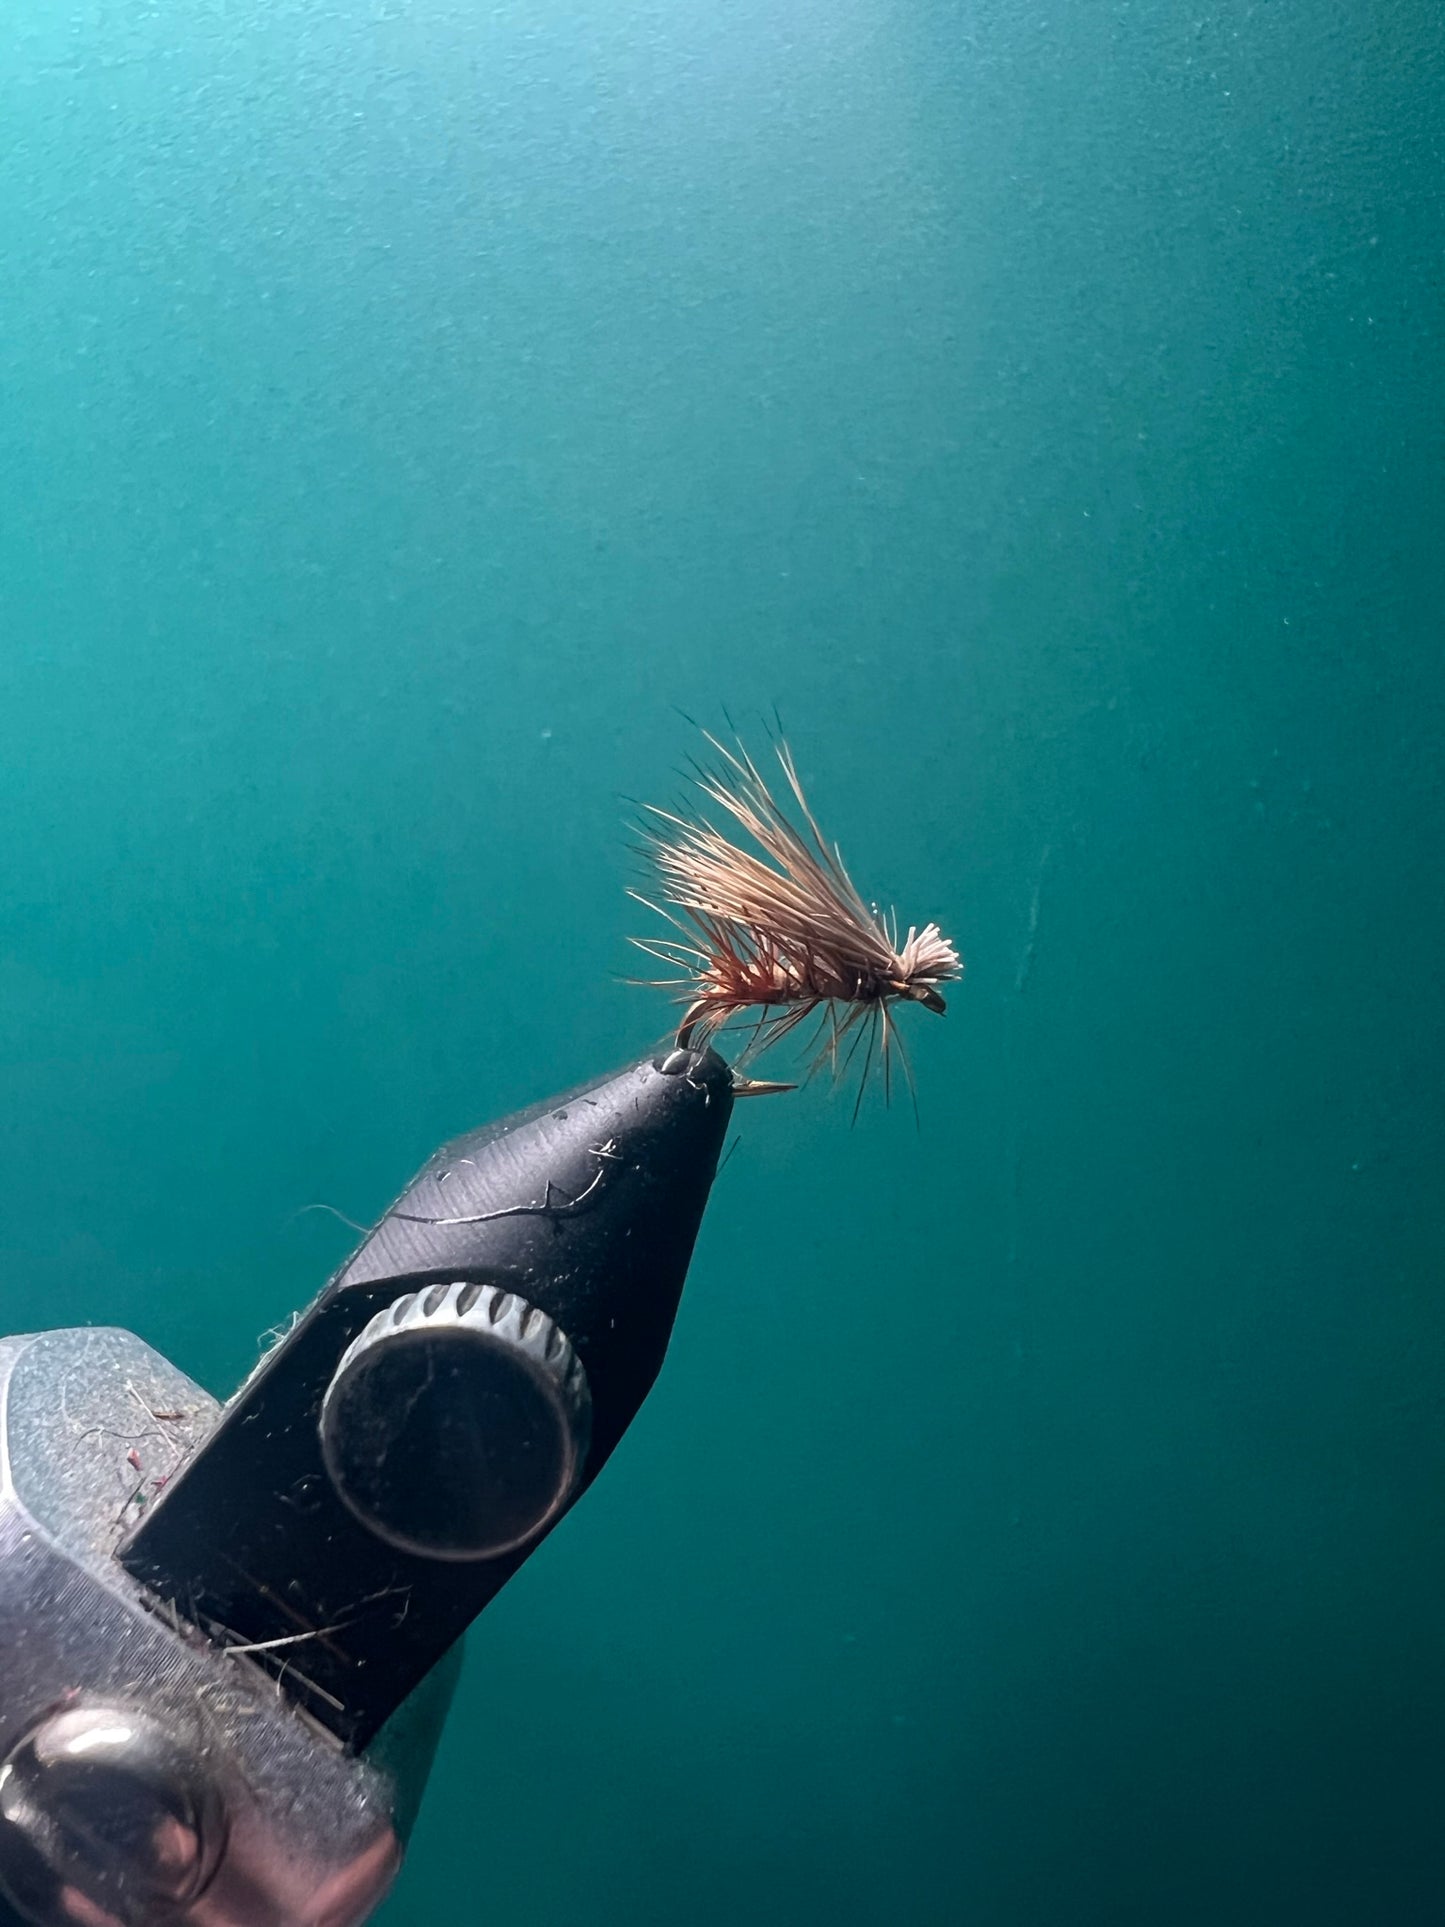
[{"x": 403, "y": 404}]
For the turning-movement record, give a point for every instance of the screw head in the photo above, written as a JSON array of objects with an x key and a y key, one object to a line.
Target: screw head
[
  {"x": 106, "y": 1815},
  {"x": 456, "y": 1425}
]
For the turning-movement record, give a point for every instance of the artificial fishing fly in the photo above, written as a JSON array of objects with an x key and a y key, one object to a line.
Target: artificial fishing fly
[{"x": 785, "y": 933}]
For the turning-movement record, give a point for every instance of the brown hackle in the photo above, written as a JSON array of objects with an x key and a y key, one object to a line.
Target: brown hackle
[{"x": 784, "y": 933}]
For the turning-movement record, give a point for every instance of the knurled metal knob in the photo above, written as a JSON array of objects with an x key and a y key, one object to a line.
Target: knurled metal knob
[
  {"x": 107, "y": 1816},
  {"x": 456, "y": 1425}
]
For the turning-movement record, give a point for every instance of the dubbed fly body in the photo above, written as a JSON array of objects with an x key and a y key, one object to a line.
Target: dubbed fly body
[{"x": 783, "y": 932}]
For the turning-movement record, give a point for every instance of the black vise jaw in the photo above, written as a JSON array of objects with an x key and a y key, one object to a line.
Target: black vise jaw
[{"x": 456, "y": 1386}]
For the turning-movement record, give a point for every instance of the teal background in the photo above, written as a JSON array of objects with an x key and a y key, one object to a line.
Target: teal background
[{"x": 404, "y": 405}]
